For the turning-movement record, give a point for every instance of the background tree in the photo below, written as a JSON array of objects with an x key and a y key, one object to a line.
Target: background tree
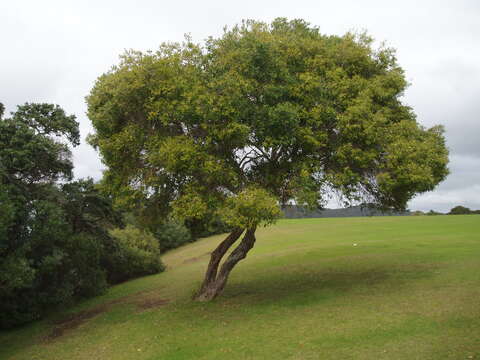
[
  {"x": 460, "y": 210},
  {"x": 31, "y": 160},
  {"x": 262, "y": 115},
  {"x": 433, "y": 213},
  {"x": 54, "y": 241},
  {"x": 32, "y": 225}
]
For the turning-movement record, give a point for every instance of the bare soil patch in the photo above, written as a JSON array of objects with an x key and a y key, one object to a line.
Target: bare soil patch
[
  {"x": 73, "y": 321},
  {"x": 196, "y": 258},
  {"x": 151, "y": 303}
]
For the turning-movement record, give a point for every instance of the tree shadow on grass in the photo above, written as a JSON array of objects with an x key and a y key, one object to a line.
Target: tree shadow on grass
[{"x": 304, "y": 286}]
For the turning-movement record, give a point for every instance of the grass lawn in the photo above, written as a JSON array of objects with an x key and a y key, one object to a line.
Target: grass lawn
[{"x": 409, "y": 289}]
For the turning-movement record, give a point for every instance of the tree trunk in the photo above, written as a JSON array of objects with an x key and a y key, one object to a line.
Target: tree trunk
[
  {"x": 215, "y": 280},
  {"x": 216, "y": 256}
]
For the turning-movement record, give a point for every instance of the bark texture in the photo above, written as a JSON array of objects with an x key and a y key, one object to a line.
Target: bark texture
[{"x": 215, "y": 280}]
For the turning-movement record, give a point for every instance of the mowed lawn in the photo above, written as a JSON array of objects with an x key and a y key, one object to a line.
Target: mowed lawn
[{"x": 409, "y": 289}]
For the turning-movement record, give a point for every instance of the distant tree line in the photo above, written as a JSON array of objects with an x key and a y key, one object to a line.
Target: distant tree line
[
  {"x": 295, "y": 212},
  {"x": 457, "y": 210}
]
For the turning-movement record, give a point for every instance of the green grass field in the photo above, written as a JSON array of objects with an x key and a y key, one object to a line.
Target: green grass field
[{"x": 409, "y": 289}]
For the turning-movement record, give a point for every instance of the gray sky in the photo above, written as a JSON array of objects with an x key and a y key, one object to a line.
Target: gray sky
[{"x": 52, "y": 51}]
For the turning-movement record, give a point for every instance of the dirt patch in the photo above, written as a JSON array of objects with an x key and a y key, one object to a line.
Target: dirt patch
[
  {"x": 73, "y": 321},
  {"x": 151, "y": 303},
  {"x": 195, "y": 259},
  {"x": 192, "y": 260}
]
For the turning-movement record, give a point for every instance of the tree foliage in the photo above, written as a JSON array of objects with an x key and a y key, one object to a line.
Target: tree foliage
[
  {"x": 31, "y": 160},
  {"x": 264, "y": 114},
  {"x": 461, "y": 210}
]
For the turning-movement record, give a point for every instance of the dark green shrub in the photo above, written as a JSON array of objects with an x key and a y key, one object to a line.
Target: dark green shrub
[
  {"x": 136, "y": 253},
  {"x": 52, "y": 267},
  {"x": 172, "y": 235},
  {"x": 207, "y": 226}
]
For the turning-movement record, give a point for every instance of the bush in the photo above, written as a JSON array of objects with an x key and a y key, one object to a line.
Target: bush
[
  {"x": 47, "y": 273},
  {"x": 52, "y": 265},
  {"x": 171, "y": 235},
  {"x": 136, "y": 253},
  {"x": 207, "y": 226}
]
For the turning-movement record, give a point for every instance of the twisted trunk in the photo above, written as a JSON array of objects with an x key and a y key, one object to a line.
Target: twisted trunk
[
  {"x": 215, "y": 280},
  {"x": 216, "y": 256}
]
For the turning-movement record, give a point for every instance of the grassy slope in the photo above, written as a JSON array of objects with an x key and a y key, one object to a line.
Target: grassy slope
[{"x": 410, "y": 289}]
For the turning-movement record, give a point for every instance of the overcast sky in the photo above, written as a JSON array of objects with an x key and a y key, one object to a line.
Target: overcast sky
[{"x": 52, "y": 51}]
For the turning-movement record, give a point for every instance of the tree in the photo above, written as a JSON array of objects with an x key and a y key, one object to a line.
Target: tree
[
  {"x": 264, "y": 114},
  {"x": 51, "y": 237},
  {"x": 460, "y": 210},
  {"x": 31, "y": 222},
  {"x": 31, "y": 160},
  {"x": 433, "y": 213}
]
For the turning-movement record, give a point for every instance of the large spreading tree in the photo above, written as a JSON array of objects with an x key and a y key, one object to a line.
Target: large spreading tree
[{"x": 264, "y": 114}]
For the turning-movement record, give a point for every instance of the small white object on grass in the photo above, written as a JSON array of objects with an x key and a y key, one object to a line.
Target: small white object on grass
[{"x": 354, "y": 244}]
